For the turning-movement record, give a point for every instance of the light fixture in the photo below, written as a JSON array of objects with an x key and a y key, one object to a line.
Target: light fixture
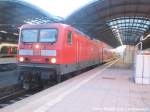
[
  {"x": 2, "y": 31},
  {"x": 21, "y": 59},
  {"x": 37, "y": 46},
  {"x": 15, "y": 34},
  {"x": 53, "y": 60}
]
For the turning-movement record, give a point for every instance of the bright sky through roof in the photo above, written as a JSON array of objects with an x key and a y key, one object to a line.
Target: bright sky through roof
[
  {"x": 62, "y": 8},
  {"x": 121, "y": 49}
]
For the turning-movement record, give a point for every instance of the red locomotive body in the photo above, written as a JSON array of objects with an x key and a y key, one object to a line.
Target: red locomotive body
[{"x": 52, "y": 50}]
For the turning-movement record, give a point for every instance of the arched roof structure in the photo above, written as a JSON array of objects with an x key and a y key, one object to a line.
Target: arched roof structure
[
  {"x": 115, "y": 22},
  {"x": 14, "y": 13}
]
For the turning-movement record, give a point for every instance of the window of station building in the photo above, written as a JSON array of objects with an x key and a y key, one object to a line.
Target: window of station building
[{"x": 69, "y": 37}]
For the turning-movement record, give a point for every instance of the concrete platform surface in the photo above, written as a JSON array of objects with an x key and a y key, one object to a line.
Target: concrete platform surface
[
  {"x": 8, "y": 73},
  {"x": 7, "y": 60},
  {"x": 98, "y": 90},
  {"x": 8, "y": 78}
]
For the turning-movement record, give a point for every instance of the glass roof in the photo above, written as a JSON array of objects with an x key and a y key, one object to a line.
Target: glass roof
[
  {"x": 129, "y": 29},
  {"x": 62, "y": 8}
]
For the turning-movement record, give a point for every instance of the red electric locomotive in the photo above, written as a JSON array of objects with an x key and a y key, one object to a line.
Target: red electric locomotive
[{"x": 49, "y": 51}]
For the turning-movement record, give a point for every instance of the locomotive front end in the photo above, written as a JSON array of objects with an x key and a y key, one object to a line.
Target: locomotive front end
[{"x": 37, "y": 55}]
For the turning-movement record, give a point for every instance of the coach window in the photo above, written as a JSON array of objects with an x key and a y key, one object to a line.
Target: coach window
[{"x": 69, "y": 39}]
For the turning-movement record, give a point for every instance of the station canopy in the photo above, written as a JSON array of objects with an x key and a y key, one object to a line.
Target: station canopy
[
  {"x": 14, "y": 13},
  {"x": 116, "y": 22}
]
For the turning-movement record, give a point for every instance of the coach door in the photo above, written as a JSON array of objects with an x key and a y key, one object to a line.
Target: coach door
[
  {"x": 77, "y": 54},
  {"x": 77, "y": 49}
]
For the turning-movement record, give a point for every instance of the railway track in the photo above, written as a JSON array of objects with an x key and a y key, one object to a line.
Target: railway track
[
  {"x": 6, "y": 100},
  {"x": 20, "y": 94},
  {"x": 14, "y": 97}
]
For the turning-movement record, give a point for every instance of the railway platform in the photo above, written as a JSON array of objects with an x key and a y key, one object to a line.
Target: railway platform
[
  {"x": 106, "y": 88},
  {"x": 8, "y": 78},
  {"x": 8, "y": 74},
  {"x": 7, "y": 60},
  {"x": 8, "y": 82}
]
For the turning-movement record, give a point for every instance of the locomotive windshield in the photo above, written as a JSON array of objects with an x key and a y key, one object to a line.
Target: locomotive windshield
[
  {"x": 29, "y": 35},
  {"x": 48, "y": 35},
  {"x": 39, "y": 35}
]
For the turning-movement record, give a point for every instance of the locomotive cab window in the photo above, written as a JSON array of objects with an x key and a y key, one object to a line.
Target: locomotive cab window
[
  {"x": 48, "y": 35},
  {"x": 39, "y": 35},
  {"x": 69, "y": 37},
  {"x": 29, "y": 35}
]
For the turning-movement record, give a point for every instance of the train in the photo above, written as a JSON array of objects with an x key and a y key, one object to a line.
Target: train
[
  {"x": 8, "y": 49},
  {"x": 50, "y": 51}
]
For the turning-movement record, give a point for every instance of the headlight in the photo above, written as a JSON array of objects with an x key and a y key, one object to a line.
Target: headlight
[
  {"x": 37, "y": 46},
  {"x": 53, "y": 60},
  {"x": 21, "y": 59}
]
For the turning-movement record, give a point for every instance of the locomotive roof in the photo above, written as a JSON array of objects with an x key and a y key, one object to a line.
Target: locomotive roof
[
  {"x": 44, "y": 25},
  {"x": 54, "y": 25}
]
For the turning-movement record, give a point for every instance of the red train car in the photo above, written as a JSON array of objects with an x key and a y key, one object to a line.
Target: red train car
[
  {"x": 49, "y": 51},
  {"x": 8, "y": 50}
]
